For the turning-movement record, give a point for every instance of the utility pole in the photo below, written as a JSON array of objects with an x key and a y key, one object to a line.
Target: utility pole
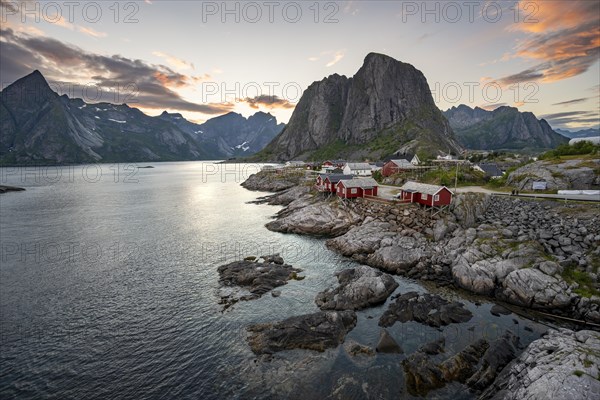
[{"x": 456, "y": 177}]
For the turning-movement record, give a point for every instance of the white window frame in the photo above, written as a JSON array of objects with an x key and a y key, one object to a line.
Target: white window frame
[
  {"x": 436, "y": 197},
  {"x": 424, "y": 196},
  {"x": 353, "y": 191}
]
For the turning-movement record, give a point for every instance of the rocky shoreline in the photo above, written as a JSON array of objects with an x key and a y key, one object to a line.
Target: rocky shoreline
[
  {"x": 536, "y": 255},
  {"x": 524, "y": 252}
]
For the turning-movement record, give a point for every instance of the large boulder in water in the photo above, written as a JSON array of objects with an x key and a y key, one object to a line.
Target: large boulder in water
[
  {"x": 248, "y": 280},
  {"x": 317, "y": 331},
  {"x": 359, "y": 288},
  {"x": 425, "y": 308}
]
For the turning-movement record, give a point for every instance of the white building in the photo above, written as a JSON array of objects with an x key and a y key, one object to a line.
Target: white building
[{"x": 357, "y": 169}]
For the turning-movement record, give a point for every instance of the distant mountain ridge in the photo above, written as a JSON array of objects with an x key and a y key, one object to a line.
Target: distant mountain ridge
[
  {"x": 39, "y": 126},
  {"x": 386, "y": 106},
  {"x": 505, "y": 128},
  {"x": 584, "y": 133}
]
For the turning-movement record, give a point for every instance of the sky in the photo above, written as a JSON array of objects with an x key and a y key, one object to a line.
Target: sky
[{"x": 206, "y": 58}]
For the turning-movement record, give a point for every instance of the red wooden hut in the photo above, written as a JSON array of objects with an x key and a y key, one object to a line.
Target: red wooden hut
[
  {"x": 328, "y": 182},
  {"x": 358, "y": 187},
  {"x": 395, "y": 166},
  {"x": 428, "y": 195}
]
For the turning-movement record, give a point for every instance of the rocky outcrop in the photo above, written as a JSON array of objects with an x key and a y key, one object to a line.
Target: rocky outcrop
[
  {"x": 285, "y": 197},
  {"x": 322, "y": 219},
  {"x": 533, "y": 288},
  {"x": 5, "y": 189},
  {"x": 271, "y": 181},
  {"x": 561, "y": 365},
  {"x": 530, "y": 253},
  {"x": 466, "y": 207},
  {"x": 249, "y": 280},
  {"x": 425, "y": 308},
  {"x": 502, "y": 128},
  {"x": 385, "y": 98},
  {"x": 476, "y": 366},
  {"x": 359, "y": 288},
  {"x": 317, "y": 331},
  {"x": 569, "y": 174}
]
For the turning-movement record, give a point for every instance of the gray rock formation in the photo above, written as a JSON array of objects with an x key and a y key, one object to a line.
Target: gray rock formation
[
  {"x": 359, "y": 288},
  {"x": 563, "y": 365},
  {"x": 270, "y": 181},
  {"x": 475, "y": 366},
  {"x": 466, "y": 207},
  {"x": 386, "y": 98},
  {"x": 324, "y": 219},
  {"x": 569, "y": 174},
  {"x": 425, "y": 308},
  {"x": 317, "y": 331},
  {"x": 253, "y": 278}
]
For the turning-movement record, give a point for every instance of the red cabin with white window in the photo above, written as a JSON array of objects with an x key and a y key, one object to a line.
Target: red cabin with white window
[
  {"x": 327, "y": 183},
  {"x": 354, "y": 188},
  {"x": 428, "y": 195}
]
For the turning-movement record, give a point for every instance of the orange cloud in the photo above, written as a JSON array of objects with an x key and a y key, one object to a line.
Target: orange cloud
[
  {"x": 564, "y": 38},
  {"x": 268, "y": 101},
  {"x": 540, "y": 17}
]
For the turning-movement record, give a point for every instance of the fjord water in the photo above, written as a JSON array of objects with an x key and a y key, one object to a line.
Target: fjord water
[{"x": 109, "y": 290}]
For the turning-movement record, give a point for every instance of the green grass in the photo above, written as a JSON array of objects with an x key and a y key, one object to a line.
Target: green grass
[
  {"x": 566, "y": 150},
  {"x": 586, "y": 285},
  {"x": 578, "y": 373}
]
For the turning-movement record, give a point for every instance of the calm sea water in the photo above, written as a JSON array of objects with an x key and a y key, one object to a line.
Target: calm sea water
[{"x": 109, "y": 290}]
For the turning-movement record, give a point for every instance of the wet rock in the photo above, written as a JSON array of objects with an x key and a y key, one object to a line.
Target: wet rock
[
  {"x": 358, "y": 288},
  {"x": 497, "y": 356},
  {"x": 425, "y": 308},
  {"x": 435, "y": 347},
  {"x": 387, "y": 344},
  {"x": 317, "y": 331},
  {"x": 356, "y": 349},
  {"x": 498, "y": 309},
  {"x": 272, "y": 259},
  {"x": 423, "y": 374},
  {"x": 561, "y": 365},
  {"x": 254, "y": 279}
]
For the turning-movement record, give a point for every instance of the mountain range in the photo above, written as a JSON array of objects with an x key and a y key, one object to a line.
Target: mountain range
[
  {"x": 584, "y": 133},
  {"x": 385, "y": 107},
  {"x": 40, "y": 126},
  {"x": 505, "y": 128}
]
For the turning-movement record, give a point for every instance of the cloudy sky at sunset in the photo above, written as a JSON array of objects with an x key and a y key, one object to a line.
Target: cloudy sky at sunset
[{"x": 204, "y": 59}]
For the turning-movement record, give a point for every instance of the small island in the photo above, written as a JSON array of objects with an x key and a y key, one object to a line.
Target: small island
[{"x": 5, "y": 189}]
